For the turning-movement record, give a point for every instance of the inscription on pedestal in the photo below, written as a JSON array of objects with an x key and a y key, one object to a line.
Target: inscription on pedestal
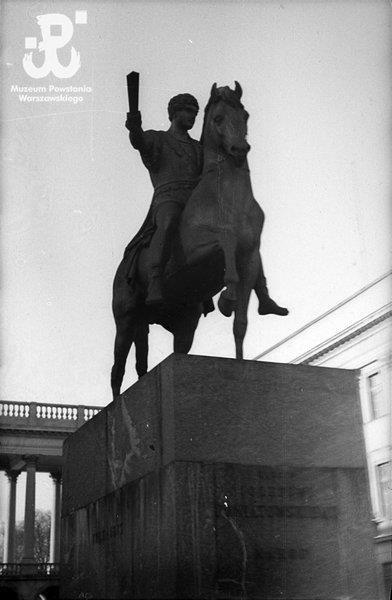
[
  {"x": 99, "y": 537},
  {"x": 271, "y": 511},
  {"x": 272, "y": 519}
]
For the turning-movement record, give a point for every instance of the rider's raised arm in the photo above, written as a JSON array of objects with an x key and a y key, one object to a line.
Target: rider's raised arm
[
  {"x": 134, "y": 126},
  {"x": 147, "y": 142}
]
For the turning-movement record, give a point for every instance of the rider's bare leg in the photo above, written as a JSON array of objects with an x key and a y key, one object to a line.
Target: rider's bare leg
[
  {"x": 166, "y": 220},
  {"x": 267, "y": 306}
]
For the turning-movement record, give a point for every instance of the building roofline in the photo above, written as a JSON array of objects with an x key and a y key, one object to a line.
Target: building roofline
[
  {"x": 323, "y": 315},
  {"x": 308, "y": 357}
]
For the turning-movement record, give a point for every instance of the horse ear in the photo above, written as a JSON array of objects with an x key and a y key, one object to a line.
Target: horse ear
[
  {"x": 213, "y": 90},
  {"x": 238, "y": 90}
]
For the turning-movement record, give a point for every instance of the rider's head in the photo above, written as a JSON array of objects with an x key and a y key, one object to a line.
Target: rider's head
[{"x": 183, "y": 109}]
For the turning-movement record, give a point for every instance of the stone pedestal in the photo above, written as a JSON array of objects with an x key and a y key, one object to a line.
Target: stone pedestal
[{"x": 216, "y": 478}]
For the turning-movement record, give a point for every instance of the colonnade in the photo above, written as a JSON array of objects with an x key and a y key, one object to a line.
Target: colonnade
[{"x": 29, "y": 515}]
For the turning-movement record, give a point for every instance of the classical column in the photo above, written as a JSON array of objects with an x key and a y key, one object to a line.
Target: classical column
[
  {"x": 9, "y": 538},
  {"x": 54, "y": 555},
  {"x": 29, "y": 521}
]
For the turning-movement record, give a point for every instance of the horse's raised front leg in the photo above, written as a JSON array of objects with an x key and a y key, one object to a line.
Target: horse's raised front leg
[{"x": 228, "y": 298}]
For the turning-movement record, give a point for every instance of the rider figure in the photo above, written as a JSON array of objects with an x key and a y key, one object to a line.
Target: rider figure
[{"x": 174, "y": 161}]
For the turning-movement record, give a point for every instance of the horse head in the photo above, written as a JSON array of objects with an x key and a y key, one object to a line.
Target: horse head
[{"x": 225, "y": 123}]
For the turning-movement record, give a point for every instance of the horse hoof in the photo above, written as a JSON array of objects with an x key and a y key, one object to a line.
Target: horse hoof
[{"x": 226, "y": 306}]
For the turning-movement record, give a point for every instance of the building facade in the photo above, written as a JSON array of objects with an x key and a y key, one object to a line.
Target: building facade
[
  {"x": 31, "y": 440},
  {"x": 357, "y": 334}
]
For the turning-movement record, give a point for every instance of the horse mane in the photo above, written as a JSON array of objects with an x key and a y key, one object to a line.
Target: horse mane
[{"x": 224, "y": 94}]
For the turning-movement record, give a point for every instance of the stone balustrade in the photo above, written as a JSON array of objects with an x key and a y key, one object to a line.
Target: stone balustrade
[
  {"x": 32, "y": 414},
  {"x": 14, "y": 409},
  {"x": 10, "y": 569},
  {"x": 13, "y": 570},
  {"x": 48, "y": 569}
]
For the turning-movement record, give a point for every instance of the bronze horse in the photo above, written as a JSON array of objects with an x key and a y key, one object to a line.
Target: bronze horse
[{"x": 217, "y": 246}]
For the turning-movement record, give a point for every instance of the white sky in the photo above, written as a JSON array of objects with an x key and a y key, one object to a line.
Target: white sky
[{"x": 316, "y": 78}]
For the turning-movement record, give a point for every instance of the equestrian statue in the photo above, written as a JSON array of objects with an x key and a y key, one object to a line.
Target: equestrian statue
[{"x": 202, "y": 232}]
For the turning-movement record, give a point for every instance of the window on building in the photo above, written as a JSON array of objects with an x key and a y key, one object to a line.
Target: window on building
[
  {"x": 384, "y": 480},
  {"x": 378, "y": 405}
]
